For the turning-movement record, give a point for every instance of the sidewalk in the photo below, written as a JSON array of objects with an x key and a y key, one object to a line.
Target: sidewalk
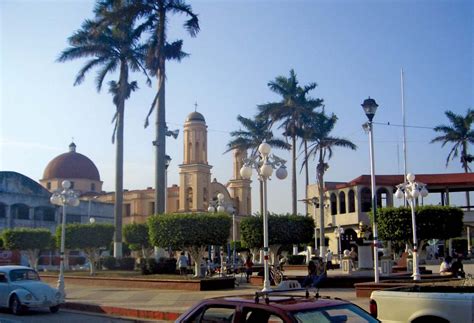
[{"x": 168, "y": 304}]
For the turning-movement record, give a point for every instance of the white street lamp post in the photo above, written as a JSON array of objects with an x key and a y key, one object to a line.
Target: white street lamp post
[
  {"x": 338, "y": 232},
  {"x": 264, "y": 165},
  {"x": 219, "y": 206},
  {"x": 370, "y": 107},
  {"x": 66, "y": 197},
  {"x": 411, "y": 190}
]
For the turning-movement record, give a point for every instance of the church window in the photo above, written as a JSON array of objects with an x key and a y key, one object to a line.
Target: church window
[
  {"x": 48, "y": 185},
  {"x": 190, "y": 197},
  {"x": 93, "y": 187},
  {"x": 72, "y": 185},
  {"x": 20, "y": 212}
]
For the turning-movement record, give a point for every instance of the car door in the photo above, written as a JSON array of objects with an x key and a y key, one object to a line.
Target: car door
[{"x": 4, "y": 289}]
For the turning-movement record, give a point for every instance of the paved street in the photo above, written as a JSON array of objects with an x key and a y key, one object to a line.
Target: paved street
[{"x": 44, "y": 316}]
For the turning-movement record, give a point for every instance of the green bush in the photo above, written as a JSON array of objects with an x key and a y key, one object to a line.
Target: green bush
[
  {"x": 109, "y": 262},
  {"x": 126, "y": 263},
  {"x": 163, "y": 266},
  {"x": 296, "y": 259}
]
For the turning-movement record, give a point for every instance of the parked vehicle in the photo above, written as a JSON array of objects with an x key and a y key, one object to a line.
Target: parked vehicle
[
  {"x": 424, "y": 304},
  {"x": 291, "y": 305},
  {"x": 21, "y": 288}
]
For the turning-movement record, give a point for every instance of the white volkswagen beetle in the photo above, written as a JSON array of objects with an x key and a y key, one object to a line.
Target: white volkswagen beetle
[{"x": 21, "y": 288}]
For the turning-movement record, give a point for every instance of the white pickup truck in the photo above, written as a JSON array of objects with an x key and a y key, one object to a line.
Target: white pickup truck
[{"x": 432, "y": 304}]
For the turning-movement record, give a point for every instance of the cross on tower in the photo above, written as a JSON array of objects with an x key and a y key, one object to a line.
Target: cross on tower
[{"x": 195, "y": 106}]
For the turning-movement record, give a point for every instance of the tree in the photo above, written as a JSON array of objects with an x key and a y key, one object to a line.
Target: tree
[
  {"x": 460, "y": 134},
  {"x": 190, "y": 232},
  {"x": 153, "y": 16},
  {"x": 136, "y": 235},
  {"x": 321, "y": 147},
  {"x": 432, "y": 222},
  {"x": 289, "y": 112},
  {"x": 255, "y": 132},
  {"x": 283, "y": 230},
  {"x": 30, "y": 240},
  {"x": 89, "y": 238},
  {"x": 110, "y": 47}
]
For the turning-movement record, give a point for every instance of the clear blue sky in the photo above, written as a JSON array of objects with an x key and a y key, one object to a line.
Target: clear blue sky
[{"x": 352, "y": 49}]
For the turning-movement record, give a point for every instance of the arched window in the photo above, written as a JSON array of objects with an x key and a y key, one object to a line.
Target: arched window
[
  {"x": 197, "y": 153},
  {"x": 351, "y": 201},
  {"x": 93, "y": 187},
  {"x": 204, "y": 195},
  {"x": 365, "y": 199},
  {"x": 333, "y": 204},
  {"x": 382, "y": 197},
  {"x": 44, "y": 213},
  {"x": 189, "y": 197},
  {"x": 190, "y": 149},
  {"x": 342, "y": 202},
  {"x": 20, "y": 211},
  {"x": 3, "y": 211}
]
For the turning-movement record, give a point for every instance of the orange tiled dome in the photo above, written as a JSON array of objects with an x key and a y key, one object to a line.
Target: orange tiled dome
[{"x": 71, "y": 165}]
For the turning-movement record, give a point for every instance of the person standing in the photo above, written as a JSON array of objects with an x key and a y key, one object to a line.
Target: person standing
[
  {"x": 248, "y": 267},
  {"x": 353, "y": 255},
  {"x": 329, "y": 260}
]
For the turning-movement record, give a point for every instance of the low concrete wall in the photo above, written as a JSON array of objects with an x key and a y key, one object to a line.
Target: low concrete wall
[{"x": 191, "y": 284}]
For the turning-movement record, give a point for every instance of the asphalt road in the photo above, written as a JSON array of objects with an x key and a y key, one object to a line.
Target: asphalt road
[{"x": 44, "y": 316}]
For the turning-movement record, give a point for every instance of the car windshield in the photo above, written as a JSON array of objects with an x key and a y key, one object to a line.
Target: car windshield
[
  {"x": 23, "y": 274},
  {"x": 339, "y": 313}
]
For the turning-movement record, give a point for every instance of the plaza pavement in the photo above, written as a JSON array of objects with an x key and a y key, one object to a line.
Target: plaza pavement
[{"x": 158, "y": 305}]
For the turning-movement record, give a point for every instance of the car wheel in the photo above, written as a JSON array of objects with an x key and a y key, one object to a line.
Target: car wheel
[
  {"x": 15, "y": 305},
  {"x": 54, "y": 309}
]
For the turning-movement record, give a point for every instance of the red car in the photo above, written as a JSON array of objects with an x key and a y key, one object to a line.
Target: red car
[{"x": 275, "y": 306}]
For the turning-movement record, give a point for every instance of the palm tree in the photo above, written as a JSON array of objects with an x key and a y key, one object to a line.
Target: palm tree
[
  {"x": 460, "y": 134},
  {"x": 110, "y": 47},
  {"x": 255, "y": 132},
  {"x": 153, "y": 15},
  {"x": 321, "y": 147},
  {"x": 289, "y": 112}
]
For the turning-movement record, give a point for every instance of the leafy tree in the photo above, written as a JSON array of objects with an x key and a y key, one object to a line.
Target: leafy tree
[
  {"x": 87, "y": 237},
  {"x": 136, "y": 235},
  {"x": 432, "y": 222},
  {"x": 255, "y": 132},
  {"x": 321, "y": 147},
  {"x": 111, "y": 46},
  {"x": 460, "y": 134},
  {"x": 289, "y": 112},
  {"x": 282, "y": 230},
  {"x": 190, "y": 232},
  {"x": 30, "y": 240},
  {"x": 153, "y": 16}
]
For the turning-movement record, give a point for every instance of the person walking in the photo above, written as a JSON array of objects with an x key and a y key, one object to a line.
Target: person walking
[
  {"x": 329, "y": 260},
  {"x": 353, "y": 255},
  {"x": 182, "y": 264}
]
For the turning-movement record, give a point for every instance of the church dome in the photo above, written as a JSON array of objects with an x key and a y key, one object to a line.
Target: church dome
[
  {"x": 71, "y": 165},
  {"x": 195, "y": 116}
]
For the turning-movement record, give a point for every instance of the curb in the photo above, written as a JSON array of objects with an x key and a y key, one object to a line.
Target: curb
[{"x": 120, "y": 311}]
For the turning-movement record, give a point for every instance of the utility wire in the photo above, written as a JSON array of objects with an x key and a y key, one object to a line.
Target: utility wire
[{"x": 400, "y": 125}]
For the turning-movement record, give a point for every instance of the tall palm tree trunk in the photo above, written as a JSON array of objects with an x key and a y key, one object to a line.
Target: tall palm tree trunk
[
  {"x": 466, "y": 170},
  {"x": 320, "y": 172},
  {"x": 306, "y": 170},
  {"x": 160, "y": 143},
  {"x": 118, "y": 207},
  {"x": 293, "y": 175}
]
